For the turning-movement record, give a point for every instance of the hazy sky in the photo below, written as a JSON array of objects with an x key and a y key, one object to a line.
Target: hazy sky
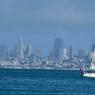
[{"x": 40, "y": 21}]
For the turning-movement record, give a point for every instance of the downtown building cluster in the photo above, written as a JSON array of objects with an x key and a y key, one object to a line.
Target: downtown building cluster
[{"x": 59, "y": 57}]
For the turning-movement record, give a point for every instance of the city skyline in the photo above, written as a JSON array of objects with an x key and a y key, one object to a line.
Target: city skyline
[
  {"x": 57, "y": 45},
  {"x": 47, "y": 47},
  {"x": 40, "y": 22}
]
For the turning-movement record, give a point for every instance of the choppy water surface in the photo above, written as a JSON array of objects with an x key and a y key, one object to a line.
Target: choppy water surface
[{"x": 44, "y": 82}]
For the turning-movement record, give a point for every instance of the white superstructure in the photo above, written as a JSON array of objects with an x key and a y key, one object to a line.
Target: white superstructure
[{"x": 92, "y": 68}]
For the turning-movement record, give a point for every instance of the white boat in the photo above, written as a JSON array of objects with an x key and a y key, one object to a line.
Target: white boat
[{"x": 90, "y": 74}]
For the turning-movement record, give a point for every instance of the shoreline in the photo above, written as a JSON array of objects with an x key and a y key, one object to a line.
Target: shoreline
[{"x": 40, "y": 69}]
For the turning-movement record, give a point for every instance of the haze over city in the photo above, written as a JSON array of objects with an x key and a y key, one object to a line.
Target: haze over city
[
  {"x": 47, "y": 47},
  {"x": 41, "y": 21}
]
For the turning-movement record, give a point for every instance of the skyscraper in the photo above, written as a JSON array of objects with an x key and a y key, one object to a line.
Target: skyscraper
[
  {"x": 81, "y": 53},
  {"x": 27, "y": 50},
  {"x": 3, "y": 52},
  {"x": 92, "y": 50},
  {"x": 37, "y": 54},
  {"x": 66, "y": 53},
  {"x": 93, "y": 47},
  {"x": 58, "y": 44}
]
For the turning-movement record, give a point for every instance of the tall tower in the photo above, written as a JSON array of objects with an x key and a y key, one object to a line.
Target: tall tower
[
  {"x": 27, "y": 50},
  {"x": 58, "y": 45},
  {"x": 93, "y": 47},
  {"x": 37, "y": 55},
  {"x": 81, "y": 53},
  {"x": 22, "y": 49}
]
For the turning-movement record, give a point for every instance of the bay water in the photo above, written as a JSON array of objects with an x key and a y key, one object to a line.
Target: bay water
[{"x": 44, "y": 82}]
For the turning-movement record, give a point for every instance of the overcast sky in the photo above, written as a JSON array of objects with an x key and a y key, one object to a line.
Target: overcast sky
[{"x": 41, "y": 21}]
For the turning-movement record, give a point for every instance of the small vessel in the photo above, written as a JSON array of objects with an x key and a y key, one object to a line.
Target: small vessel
[
  {"x": 91, "y": 72},
  {"x": 89, "y": 75}
]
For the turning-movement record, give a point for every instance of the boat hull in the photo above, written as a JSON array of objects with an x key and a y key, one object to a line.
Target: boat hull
[{"x": 89, "y": 75}]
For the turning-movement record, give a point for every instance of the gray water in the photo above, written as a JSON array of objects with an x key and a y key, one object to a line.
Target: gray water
[{"x": 45, "y": 82}]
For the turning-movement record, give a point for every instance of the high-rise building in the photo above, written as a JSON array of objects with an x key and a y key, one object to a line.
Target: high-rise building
[
  {"x": 51, "y": 55},
  {"x": 61, "y": 54},
  {"x": 27, "y": 50},
  {"x": 3, "y": 52},
  {"x": 70, "y": 54},
  {"x": 92, "y": 50},
  {"x": 18, "y": 52},
  {"x": 15, "y": 53},
  {"x": 93, "y": 47},
  {"x": 81, "y": 53},
  {"x": 58, "y": 44},
  {"x": 37, "y": 55},
  {"x": 66, "y": 53}
]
